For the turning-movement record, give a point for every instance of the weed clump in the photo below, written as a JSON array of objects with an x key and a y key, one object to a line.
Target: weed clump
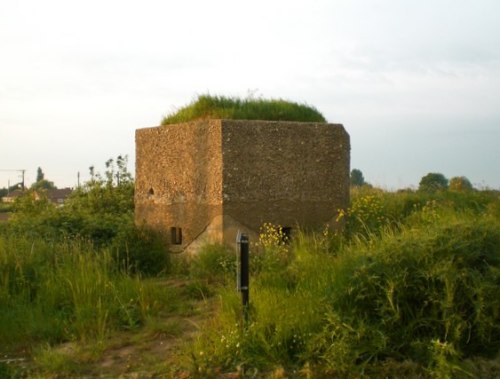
[
  {"x": 221, "y": 107},
  {"x": 214, "y": 264}
]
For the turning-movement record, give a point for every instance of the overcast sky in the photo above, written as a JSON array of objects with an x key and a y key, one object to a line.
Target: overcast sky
[{"x": 415, "y": 83}]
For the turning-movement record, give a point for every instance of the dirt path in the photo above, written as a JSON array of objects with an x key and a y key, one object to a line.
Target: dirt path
[
  {"x": 145, "y": 354},
  {"x": 155, "y": 350}
]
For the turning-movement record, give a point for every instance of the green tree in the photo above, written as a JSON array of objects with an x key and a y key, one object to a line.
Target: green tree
[
  {"x": 39, "y": 174},
  {"x": 460, "y": 184},
  {"x": 433, "y": 182},
  {"x": 110, "y": 193},
  {"x": 42, "y": 183},
  {"x": 30, "y": 206},
  {"x": 357, "y": 179}
]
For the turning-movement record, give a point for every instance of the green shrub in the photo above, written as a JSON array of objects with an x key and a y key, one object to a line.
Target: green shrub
[
  {"x": 460, "y": 184},
  {"x": 99, "y": 212},
  {"x": 373, "y": 210},
  {"x": 139, "y": 249},
  {"x": 433, "y": 182},
  {"x": 95, "y": 212},
  {"x": 213, "y": 264},
  {"x": 365, "y": 216}
]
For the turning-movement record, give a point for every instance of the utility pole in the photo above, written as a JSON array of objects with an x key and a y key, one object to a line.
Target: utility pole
[
  {"x": 22, "y": 171},
  {"x": 22, "y": 181}
]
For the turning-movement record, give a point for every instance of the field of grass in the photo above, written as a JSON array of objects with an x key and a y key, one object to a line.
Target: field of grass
[
  {"x": 408, "y": 289},
  {"x": 220, "y": 107}
]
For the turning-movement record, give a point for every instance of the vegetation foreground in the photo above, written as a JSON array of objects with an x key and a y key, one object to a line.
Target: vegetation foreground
[{"x": 408, "y": 289}]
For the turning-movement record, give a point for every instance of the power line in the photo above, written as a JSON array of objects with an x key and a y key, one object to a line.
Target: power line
[{"x": 22, "y": 171}]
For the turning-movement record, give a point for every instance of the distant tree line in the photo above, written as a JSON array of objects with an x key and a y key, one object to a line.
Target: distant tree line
[
  {"x": 433, "y": 182},
  {"x": 430, "y": 183}
]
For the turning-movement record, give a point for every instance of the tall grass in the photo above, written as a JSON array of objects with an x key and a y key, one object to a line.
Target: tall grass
[
  {"x": 415, "y": 294},
  {"x": 55, "y": 292},
  {"x": 221, "y": 107}
]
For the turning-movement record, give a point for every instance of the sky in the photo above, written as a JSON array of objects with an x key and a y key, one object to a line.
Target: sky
[{"x": 415, "y": 83}]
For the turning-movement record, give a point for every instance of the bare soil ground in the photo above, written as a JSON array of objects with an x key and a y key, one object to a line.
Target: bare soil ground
[{"x": 154, "y": 351}]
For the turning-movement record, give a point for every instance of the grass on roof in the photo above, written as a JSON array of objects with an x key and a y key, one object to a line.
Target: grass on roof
[{"x": 221, "y": 107}]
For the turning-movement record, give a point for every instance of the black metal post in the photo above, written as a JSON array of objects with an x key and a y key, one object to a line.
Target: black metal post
[{"x": 244, "y": 274}]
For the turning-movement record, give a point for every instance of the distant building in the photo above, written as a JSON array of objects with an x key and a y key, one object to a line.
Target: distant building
[
  {"x": 56, "y": 196},
  {"x": 203, "y": 181},
  {"x": 12, "y": 196}
]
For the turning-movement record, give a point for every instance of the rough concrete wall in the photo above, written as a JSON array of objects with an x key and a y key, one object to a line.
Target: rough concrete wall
[
  {"x": 287, "y": 173},
  {"x": 179, "y": 177},
  {"x": 213, "y": 178}
]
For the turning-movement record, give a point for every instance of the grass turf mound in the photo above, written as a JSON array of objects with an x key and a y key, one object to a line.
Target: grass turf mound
[{"x": 220, "y": 107}]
